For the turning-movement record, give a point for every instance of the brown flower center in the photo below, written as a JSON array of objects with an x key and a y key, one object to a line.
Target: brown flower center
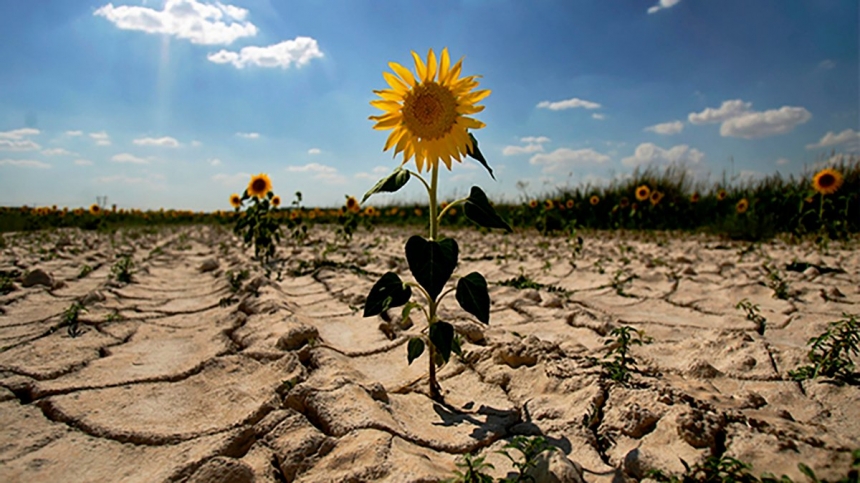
[
  {"x": 430, "y": 110},
  {"x": 258, "y": 185},
  {"x": 826, "y": 180}
]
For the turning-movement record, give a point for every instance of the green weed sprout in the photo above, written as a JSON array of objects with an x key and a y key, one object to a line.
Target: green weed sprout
[
  {"x": 257, "y": 225},
  {"x": 753, "y": 314},
  {"x": 473, "y": 470},
  {"x": 85, "y": 270},
  {"x": 70, "y": 319},
  {"x": 530, "y": 448},
  {"x": 830, "y": 352},
  {"x": 775, "y": 282},
  {"x": 428, "y": 116},
  {"x": 622, "y": 364},
  {"x": 122, "y": 270}
]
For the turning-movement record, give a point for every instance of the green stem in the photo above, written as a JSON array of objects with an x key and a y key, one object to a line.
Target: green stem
[
  {"x": 458, "y": 202},
  {"x": 434, "y": 233},
  {"x": 434, "y": 221}
]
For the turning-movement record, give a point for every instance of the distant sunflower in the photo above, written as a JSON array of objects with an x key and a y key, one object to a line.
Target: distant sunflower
[
  {"x": 655, "y": 198},
  {"x": 533, "y": 204},
  {"x": 548, "y": 205},
  {"x": 370, "y": 211},
  {"x": 294, "y": 214},
  {"x": 260, "y": 185},
  {"x": 643, "y": 192},
  {"x": 827, "y": 181},
  {"x": 742, "y": 206},
  {"x": 624, "y": 203},
  {"x": 594, "y": 200},
  {"x": 95, "y": 209},
  {"x": 721, "y": 195},
  {"x": 569, "y": 204},
  {"x": 452, "y": 212},
  {"x": 276, "y": 201},
  {"x": 429, "y": 114},
  {"x": 235, "y": 200},
  {"x": 352, "y": 204},
  {"x": 419, "y": 212},
  {"x": 694, "y": 198}
]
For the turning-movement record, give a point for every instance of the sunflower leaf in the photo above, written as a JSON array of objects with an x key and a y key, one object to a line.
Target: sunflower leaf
[
  {"x": 442, "y": 337},
  {"x": 414, "y": 349},
  {"x": 473, "y": 297},
  {"x": 476, "y": 154},
  {"x": 391, "y": 183},
  {"x": 431, "y": 262},
  {"x": 389, "y": 291},
  {"x": 478, "y": 209}
]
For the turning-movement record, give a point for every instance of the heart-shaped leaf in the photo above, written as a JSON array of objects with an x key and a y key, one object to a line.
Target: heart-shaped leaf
[
  {"x": 442, "y": 337},
  {"x": 473, "y": 296},
  {"x": 478, "y": 209},
  {"x": 389, "y": 184},
  {"x": 414, "y": 349},
  {"x": 476, "y": 154},
  {"x": 431, "y": 262},
  {"x": 389, "y": 291}
]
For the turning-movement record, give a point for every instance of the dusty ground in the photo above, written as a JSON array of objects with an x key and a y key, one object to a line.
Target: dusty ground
[{"x": 167, "y": 383}]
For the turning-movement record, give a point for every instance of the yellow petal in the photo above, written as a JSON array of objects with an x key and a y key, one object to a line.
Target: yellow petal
[
  {"x": 431, "y": 66},
  {"x": 454, "y": 73},
  {"x": 389, "y": 106},
  {"x": 444, "y": 66},
  {"x": 396, "y": 84},
  {"x": 420, "y": 68},
  {"x": 385, "y": 122},
  {"x": 402, "y": 142},
  {"x": 466, "y": 109},
  {"x": 389, "y": 95},
  {"x": 394, "y": 138},
  {"x": 403, "y": 72},
  {"x": 474, "y": 97}
]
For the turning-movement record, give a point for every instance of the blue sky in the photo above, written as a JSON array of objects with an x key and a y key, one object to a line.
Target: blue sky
[{"x": 175, "y": 104}]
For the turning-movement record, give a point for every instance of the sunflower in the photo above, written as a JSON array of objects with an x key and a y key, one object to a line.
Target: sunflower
[
  {"x": 452, "y": 212},
  {"x": 429, "y": 114},
  {"x": 643, "y": 192},
  {"x": 694, "y": 198},
  {"x": 294, "y": 214},
  {"x": 569, "y": 204},
  {"x": 827, "y": 181},
  {"x": 370, "y": 211},
  {"x": 419, "y": 212},
  {"x": 260, "y": 185},
  {"x": 742, "y": 206},
  {"x": 352, "y": 204},
  {"x": 95, "y": 209},
  {"x": 594, "y": 200},
  {"x": 235, "y": 200},
  {"x": 276, "y": 201},
  {"x": 548, "y": 204},
  {"x": 624, "y": 203},
  {"x": 656, "y": 196},
  {"x": 533, "y": 204},
  {"x": 721, "y": 195}
]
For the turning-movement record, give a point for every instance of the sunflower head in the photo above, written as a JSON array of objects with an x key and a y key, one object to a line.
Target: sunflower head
[
  {"x": 569, "y": 204},
  {"x": 95, "y": 209},
  {"x": 419, "y": 212},
  {"x": 656, "y": 197},
  {"x": 721, "y": 195},
  {"x": 594, "y": 200},
  {"x": 428, "y": 113},
  {"x": 235, "y": 200},
  {"x": 369, "y": 211},
  {"x": 260, "y": 185},
  {"x": 533, "y": 204},
  {"x": 624, "y": 202},
  {"x": 643, "y": 192},
  {"x": 276, "y": 201},
  {"x": 742, "y": 206},
  {"x": 452, "y": 212},
  {"x": 352, "y": 204},
  {"x": 827, "y": 181},
  {"x": 548, "y": 204},
  {"x": 694, "y": 198}
]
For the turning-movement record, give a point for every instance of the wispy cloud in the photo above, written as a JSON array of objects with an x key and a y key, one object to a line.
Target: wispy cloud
[
  {"x": 19, "y": 133},
  {"x": 74, "y": 133},
  {"x": 24, "y": 163},
  {"x": 534, "y": 144},
  {"x": 726, "y": 111},
  {"x": 651, "y": 154},
  {"x": 248, "y": 135},
  {"x": 598, "y": 116},
  {"x": 153, "y": 182},
  {"x": 83, "y": 162},
  {"x": 376, "y": 173},
  {"x": 564, "y": 159},
  {"x": 739, "y": 120},
  {"x": 18, "y": 145},
  {"x": 232, "y": 180},
  {"x": 666, "y": 128},
  {"x": 58, "y": 152},
  {"x": 128, "y": 158},
  {"x": 215, "y": 162},
  {"x": 320, "y": 172},
  {"x": 199, "y": 22},
  {"x": 568, "y": 104},
  {"x": 826, "y": 64},
  {"x": 165, "y": 142},
  {"x": 299, "y": 52},
  {"x": 848, "y": 136},
  {"x": 662, "y": 5},
  {"x": 101, "y": 138},
  {"x": 314, "y": 151}
]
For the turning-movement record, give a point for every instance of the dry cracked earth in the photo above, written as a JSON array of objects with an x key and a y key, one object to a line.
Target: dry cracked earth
[{"x": 174, "y": 377}]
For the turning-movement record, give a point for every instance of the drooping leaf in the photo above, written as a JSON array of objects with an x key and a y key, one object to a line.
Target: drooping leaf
[
  {"x": 389, "y": 291},
  {"x": 389, "y": 184},
  {"x": 407, "y": 310},
  {"x": 431, "y": 262},
  {"x": 442, "y": 337},
  {"x": 476, "y": 154},
  {"x": 455, "y": 345},
  {"x": 478, "y": 209},
  {"x": 473, "y": 296},
  {"x": 414, "y": 349}
]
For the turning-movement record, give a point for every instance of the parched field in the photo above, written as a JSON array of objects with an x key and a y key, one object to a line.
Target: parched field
[{"x": 176, "y": 377}]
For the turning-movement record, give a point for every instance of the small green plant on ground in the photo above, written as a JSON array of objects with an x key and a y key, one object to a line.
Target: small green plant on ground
[
  {"x": 523, "y": 281},
  {"x": 473, "y": 470},
  {"x": 122, "y": 270},
  {"x": 6, "y": 281},
  {"x": 235, "y": 279},
  {"x": 529, "y": 449},
  {"x": 618, "y": 363},
  {"x": 776, "y": 282},
  {"x": 70, "y": 319},
  {"x": 85, "y": 270},
  {"x": 114, "y": 316},
  {"x": 830, "y": 353},
  {"x": 620, "y": 280},
  {"x": 753, "y": 314}
]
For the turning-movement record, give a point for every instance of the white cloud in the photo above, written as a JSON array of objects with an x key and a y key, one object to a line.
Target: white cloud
[
  {"x": 782, "y": 161},
  {"x": 666, "y": 128},
  {"x": 376, "y": 173},
  {"x": 24, "y": 163},
  {"x": 199, "y": 22},
  {"x": 74, "y": 133},
  {"x": 568, "y": 104},
  {"x": 564, "y": 159},
  {"x": 314, "y": 151},
  {"x": 535, "y": 139},
  {"x": 826, "y": 64},
  {"x": 728, "y": 110},
  {"x": 58, "y": 152},
  {"x": 528, "y": 148},
  {"x": 248, "y": 135},
  {"x": 649, "y": 153},
  {"x": 19, "y": 133},
  {"x": 298, "y": 51},
  {"x": 663, "y": 4},
  {"x": 83, "y": 162},
  {"x": 215, "y": 162},
  {"x": 311, "y": 168},
  {"x": 232, "y": 179},
  {"x": 128, "y": 158},
  {"x": 196, "y": 144},
  {"x": 101, "y": 138},
  {"x": 153, "y": 181},
  {"x": 18, "y": 145},
  {"x": 165, "y": 142},
  {"x": 598, "y": 116},
  {"x": 848, "y": 136},
  {"x": 762, "y": 124}
]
